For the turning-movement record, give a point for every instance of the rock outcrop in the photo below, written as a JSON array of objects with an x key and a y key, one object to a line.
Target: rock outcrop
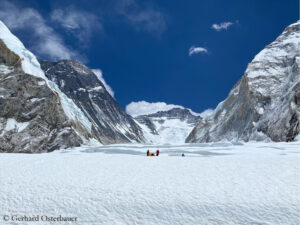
[
  {"x": 34, "y": 115},
  {"x": 265, "y": 104}
]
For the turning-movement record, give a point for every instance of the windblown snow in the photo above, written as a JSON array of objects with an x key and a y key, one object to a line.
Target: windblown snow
[
  {"x": 214, "y": 184},
  {"x": 99, "y": 75}
]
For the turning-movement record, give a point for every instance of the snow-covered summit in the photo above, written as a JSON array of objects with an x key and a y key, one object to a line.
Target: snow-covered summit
[
  {"x": 147, "y": 108},
  {"x": 285, "y": 47}
]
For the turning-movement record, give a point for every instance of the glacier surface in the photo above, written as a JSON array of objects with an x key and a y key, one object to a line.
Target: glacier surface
[{"x": 215, "y": 184}]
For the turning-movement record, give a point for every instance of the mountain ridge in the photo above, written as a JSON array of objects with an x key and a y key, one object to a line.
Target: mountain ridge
[
  {"x": 35, "y": 116},
  {"x": 264, "y": 105},
  {"x": 80, "y": 84},
  {"x": 169, "y": 126}
]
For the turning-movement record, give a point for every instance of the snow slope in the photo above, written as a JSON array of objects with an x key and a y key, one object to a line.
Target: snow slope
[
  {"x": 216, "y": 184},
  {"x": 171, "y": 126},
  {"x": 170, "y": 131}
]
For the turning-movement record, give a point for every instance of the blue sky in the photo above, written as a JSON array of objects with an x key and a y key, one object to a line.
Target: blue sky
[{"x": 157, "y": 51}]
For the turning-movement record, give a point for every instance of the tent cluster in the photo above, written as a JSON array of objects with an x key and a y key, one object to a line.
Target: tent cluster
[{"x": 153, "y": 154}]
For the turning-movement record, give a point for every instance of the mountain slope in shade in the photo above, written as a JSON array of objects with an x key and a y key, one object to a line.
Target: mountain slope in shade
[
  {"x": 80, "y": 84},
  {"x": 265, "y": 103},
  {"x": 168, "y": 127},
  {"x": 35, "y": 116}
]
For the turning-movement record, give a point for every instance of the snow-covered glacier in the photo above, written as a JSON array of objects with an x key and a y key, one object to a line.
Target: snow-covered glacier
[
  {"x": 214, "y": 184},
  {"x": 264, "y": 105}
]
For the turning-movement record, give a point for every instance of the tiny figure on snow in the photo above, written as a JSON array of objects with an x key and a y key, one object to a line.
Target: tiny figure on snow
[
  {"x": 148, "y": 152},
  {"x": 157, "y": 152}
]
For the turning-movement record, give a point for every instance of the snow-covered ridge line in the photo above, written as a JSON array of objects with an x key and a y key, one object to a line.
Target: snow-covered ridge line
[
  {"x": 29, "y": 62},
  {"x": 31, "y": 66},
  {"x": 282, "y": 52},
  {"x": 146, "y": 108}
]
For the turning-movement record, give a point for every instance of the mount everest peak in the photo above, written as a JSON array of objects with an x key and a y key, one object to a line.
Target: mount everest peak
[{"x": 83, "y": 86}]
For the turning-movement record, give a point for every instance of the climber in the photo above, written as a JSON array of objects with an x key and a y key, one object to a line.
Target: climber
[{"x": 157, "y": 152}]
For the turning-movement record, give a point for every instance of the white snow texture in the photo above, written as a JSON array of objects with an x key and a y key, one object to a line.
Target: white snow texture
[
  {"x": 170, "y": 131},
  {"x": 215, "y": 184}
]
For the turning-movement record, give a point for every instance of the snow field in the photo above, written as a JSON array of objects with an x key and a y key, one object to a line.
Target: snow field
[{"x": 214, "y": 184}]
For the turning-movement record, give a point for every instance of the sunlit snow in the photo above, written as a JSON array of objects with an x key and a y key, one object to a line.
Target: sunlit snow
[{"x": 215, "y": 184}]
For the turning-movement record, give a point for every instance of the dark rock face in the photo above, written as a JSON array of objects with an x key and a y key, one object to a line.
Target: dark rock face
[
  {"x": 264, "y": 104},
  {"x": 32, "y": 119},
  {"x": 112, "y": 125},
  {"x": 148, "y": 122}
]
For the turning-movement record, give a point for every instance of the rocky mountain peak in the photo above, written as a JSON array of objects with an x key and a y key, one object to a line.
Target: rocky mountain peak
[
  {"x": 79, "y": 83},
  {"x": 35, "y": 116},
  {"x": 264, "y": 104}
]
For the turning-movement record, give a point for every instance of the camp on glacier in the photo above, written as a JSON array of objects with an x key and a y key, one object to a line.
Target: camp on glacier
[{"x": 71, "y": 152}]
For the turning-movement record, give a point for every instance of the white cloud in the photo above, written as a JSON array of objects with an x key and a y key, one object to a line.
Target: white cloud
[
  {"x": 99, "y": 75},
  {"x": 206, "y": 114},
  {"x": 196, "y": 50},
  {"x": 142, "y": 18},
  {"x": 79, "y": 23},
  {"x": 145, "y": 108},
  {"x": 222, "y": 26},
  {"x": 44, "y": 40}
]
